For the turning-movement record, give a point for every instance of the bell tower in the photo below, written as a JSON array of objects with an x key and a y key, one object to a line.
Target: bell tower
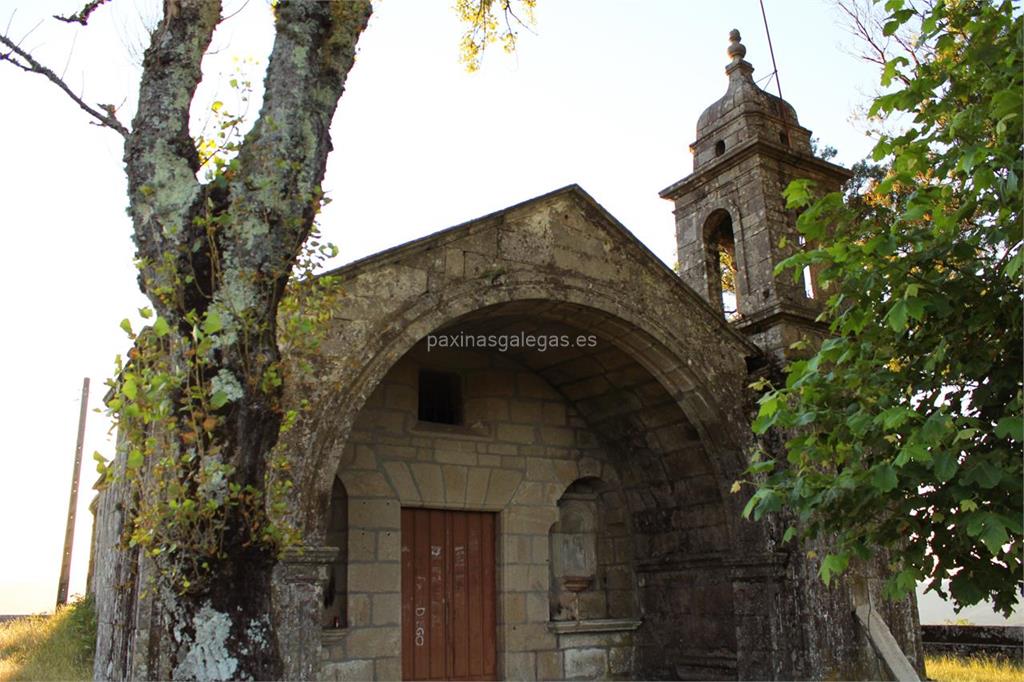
[{"x": 732, "y": 225}]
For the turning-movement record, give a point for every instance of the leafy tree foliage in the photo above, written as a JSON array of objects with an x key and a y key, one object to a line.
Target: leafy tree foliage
[
  {"x": 485, "y": 25},
  {"x": 905, "y": 426}
]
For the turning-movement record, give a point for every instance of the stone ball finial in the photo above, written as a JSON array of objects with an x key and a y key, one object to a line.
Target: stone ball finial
[{"x": 737, "y": 50}]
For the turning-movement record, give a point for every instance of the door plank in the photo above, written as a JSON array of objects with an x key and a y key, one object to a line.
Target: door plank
[
  {"x": 489, "y": 629},
  {"x": 438, "y": 601},
  {"x": 408, "y": 593},
  {"x": 460, "y": 607},
  {"x": 474, "y": 594}
]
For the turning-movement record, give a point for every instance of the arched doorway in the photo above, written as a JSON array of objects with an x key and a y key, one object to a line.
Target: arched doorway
[{"x": 540, "y": 394}]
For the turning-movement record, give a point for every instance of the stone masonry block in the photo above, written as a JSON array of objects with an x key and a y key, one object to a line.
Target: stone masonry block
[
  {"x": 389, "y": 545},
  {"x": 366, "y": 484},
  {"x": 387, "y": 609},
  {"x": 349, "y": 671},
  {"x": 520, "y": 666},
  {"x": 476, "y": 486},
  {"x": 517, "y": 433},
  {"x": 540, "y": 469},
  {"x": 374, "y": 513},
  {"x": 374, "y": 642},
  {"x": 358, "y": 610},
  {"x": 502, "y": 484},
  {"x": 402, "y": 481},
  {"x": 362, "y": 545},
  {"x": 526, "y": 412},
  {"x": 376, "y": 577},
  {"x": 388, "y": 669},
  {"x": 529, "y": 637},
  {"x": 529, "y": 520},
  {"x": 585, "y": 664},
  {"x": 549, "y": 665},
  {"x": 454, "y": 484},
  {"x": 429, "y": 481}
]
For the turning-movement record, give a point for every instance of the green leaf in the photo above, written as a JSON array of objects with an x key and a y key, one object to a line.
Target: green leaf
[
  {"x": 1011, "y": 427},
  {"x": 897, "y": 316},
  {"x": 994, "y": 535},
  {"x": 905, "y": 581},
  {"x": 769, "y": 404},
  {"x": 945, "y": 465},
  {"x": 859, "y": 422},
  {"x": 218, "y": 400},
  {"x": 833, "y": 564},
  {"x": 1014, "y": 265},
  {"x": 884, "y": 478},
  {"x": 126, "y": 325},
  {"x": 982, "y": 473},
  {"x": 160, "y": 327},
  {"x": 212, "y": 324},
  {"x": 895, "y": 417},
  {"x": 798, "y": 193},
  {"x": 935, "y": 427},
  {"x": 971, "y": 158},
  {"x": 129, "y": 388},
  {"x": 918, "y": 452},
  {"x": 761, "y": 467},
  {"x": 891, "y": 69},
  {"x": 915, "y": 308},
  {"x": 134, "y": 459}
]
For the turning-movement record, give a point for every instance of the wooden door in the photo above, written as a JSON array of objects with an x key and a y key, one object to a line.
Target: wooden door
[{"x": 448, "y": 595}]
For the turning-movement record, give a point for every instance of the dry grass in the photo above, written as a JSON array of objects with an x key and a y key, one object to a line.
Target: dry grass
[
  {"x": 57, "y": 647},
  {"x": 974, "y": 669}
]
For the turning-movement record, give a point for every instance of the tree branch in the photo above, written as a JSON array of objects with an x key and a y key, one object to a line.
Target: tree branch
[
  {"x": 82, "y": 16},
  {"x": 22, "y": 59},
  {"x": 282, "y": 161},
  {"x": 160, "y": 156}
]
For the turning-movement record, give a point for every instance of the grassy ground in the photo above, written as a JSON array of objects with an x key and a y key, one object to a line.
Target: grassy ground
[
  {"x": 980, "y": 669},
  {"x": 60, "y": 647},
  {"x": 57, "y": 647}
]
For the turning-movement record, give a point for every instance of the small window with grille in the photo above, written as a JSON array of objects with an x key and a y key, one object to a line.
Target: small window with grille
[{"x": 440, "y": 397}]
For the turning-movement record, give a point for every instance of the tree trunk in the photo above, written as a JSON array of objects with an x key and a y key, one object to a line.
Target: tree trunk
[{"x": 214, "y": 260}]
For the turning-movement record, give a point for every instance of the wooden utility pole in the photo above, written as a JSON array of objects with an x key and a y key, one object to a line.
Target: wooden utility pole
[{"x": 69, "y": 533}]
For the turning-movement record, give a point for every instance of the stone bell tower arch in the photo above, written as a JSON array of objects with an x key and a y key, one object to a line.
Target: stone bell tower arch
[{"x": 730, "y": 211}]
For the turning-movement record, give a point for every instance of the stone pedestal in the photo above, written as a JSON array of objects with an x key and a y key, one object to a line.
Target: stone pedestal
[
  {"x": 599, "y": 649},
  {"x": 299, "y": 580}
]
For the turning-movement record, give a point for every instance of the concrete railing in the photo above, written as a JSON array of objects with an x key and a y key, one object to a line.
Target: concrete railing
[{"x": 966, "y": 640}]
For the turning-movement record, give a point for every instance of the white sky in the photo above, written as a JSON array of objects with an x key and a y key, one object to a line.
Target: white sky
[{"x": 606, "y": 95}]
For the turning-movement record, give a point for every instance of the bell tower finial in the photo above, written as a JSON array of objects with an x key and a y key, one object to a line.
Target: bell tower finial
[{"x": 737, "y": 50}]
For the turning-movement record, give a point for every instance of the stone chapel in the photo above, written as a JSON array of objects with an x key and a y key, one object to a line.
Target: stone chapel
[{"x": 477, "y": 505}]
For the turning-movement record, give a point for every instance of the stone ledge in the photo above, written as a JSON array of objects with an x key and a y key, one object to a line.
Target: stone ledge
[
  {"x": 572, "y": 627},
  {"x": 332, "y": 635},
  {"x": 309, "y": 555},
  {"x": 459, "y": 431}
]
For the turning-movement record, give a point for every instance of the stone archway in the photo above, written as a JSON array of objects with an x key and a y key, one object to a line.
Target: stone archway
[
  {"x": 674, "y": 436},
  {"x": 674, "y": 490}
]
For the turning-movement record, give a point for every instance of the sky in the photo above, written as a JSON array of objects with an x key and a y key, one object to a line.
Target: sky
[{"x": 602, "y": 93}]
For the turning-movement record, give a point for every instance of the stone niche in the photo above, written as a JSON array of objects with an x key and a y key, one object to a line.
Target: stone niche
[
  {"x": 592, "y": 587},
  {"x": 334, "y": 616}
]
